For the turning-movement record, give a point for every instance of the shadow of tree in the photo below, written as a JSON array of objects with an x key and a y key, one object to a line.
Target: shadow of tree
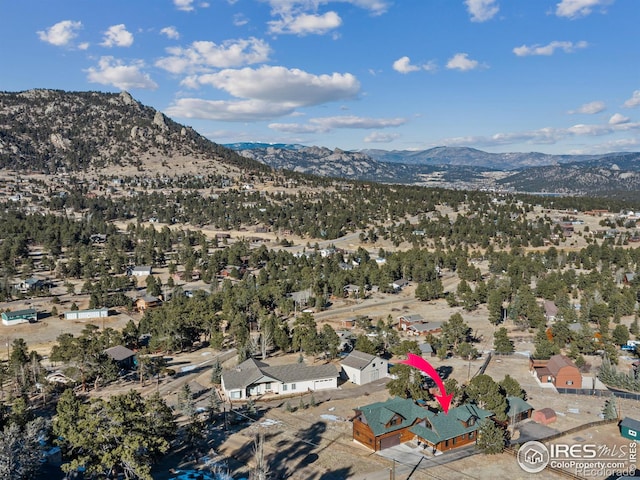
[{"x": 297, "y": 452}]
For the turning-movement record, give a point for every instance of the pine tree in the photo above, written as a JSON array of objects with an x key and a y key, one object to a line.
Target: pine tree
[
  {"x": 502, "y": 344},
  {"x": 633, "y": 328},
  {"x": 492, "y": 438},
  {"x": 251, "y": 408},
  {"x": 610, "y": 410},
  {"x": 216, "y": 373}
]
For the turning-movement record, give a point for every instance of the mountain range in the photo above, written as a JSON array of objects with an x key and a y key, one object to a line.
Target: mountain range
[
  {"x": 55, "y": 131},
  {"x": 616, "y": 174}
]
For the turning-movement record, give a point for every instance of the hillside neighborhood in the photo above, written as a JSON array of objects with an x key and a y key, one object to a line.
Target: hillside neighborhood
[{"x": 197, "y": 314}]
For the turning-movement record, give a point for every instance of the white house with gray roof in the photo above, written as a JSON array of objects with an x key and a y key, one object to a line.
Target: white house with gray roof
[
  {"x": 253, "y": 377},
  {"x": 361, "y": 368}
]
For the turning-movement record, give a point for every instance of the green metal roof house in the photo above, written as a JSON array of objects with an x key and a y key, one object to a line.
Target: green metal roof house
[
  {"x": 386, "y": 424},
  {"x": 30, "y": 315},
  {"x": 458, "y": 428},
  {"x": 630, "y": 428},
  {"x": 518, "y": 409}
]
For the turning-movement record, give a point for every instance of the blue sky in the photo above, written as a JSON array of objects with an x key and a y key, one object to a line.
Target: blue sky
[{"x": 555, "y": 76}]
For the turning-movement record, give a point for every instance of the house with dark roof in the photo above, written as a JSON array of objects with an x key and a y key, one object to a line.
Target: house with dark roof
[
  {"x": 404, "y": 321},
  {"x": 386, "y": 424},
  {"x": 360, "y": 368},
  {"x": 550, "y": 310},
  {"x": 148, "y": 301},
  {"x": 558, "y": 370},
  {"x": 425, "y": 328},
  {"x": 29, "y": 315},
  {"x": 458, "y": 428},
  {"x": 399, "y": 284},
  {"x": 32, "y": 284},
  {"x": 122, "y": 356},
  {"x": 252, "y": 378}
]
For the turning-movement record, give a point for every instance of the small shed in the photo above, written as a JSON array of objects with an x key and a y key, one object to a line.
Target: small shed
[
  {"x": 518, "y": 410},
  {"x": 545, "y": 416},
  {"x": 630, "y": 428},
  {"x": 141, "y": 271},
  {"x": 427, "y": 349},
  {"x": 348, "y": 323}
]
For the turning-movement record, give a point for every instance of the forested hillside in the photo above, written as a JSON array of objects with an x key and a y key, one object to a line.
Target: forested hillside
[{"x": 53, "y": 130}]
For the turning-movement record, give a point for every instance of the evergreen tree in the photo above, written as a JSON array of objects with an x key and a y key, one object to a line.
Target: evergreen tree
[
  {"x": 363, "y": 344},
  {"x": 20, "y": 450},
  {"x": 494, "y": 306},
  {"x": 545, "y": 348},
  {"x": 487, "y": 394},
  {"x": 492, "y": 438},
  {"x": 610, "y": 409},
  {"x": 633, "y": 328},
  {"x": 502, "y": 344},
  {"x": 455, "y": 330},
  {"x": 512, "y": 388},
  {"x": 620, "y": 335},
  {"x": 216, "y": 373}
]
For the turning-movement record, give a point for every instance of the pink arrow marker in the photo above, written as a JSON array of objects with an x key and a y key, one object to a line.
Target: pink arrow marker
[{"x": 421, "y": 364}]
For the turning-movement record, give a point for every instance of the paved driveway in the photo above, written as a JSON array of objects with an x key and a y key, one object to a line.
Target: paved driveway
[{"x": 533, "y": 431}]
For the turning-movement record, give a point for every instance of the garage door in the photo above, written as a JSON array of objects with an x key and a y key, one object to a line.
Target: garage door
[{"x": 391, "y": 441}]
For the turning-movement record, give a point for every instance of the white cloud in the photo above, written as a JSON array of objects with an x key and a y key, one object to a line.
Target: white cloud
[
  {"x": 264, "y": 93},
  {"x": 377, "y": 7},
  {"x": 305, "y": 24},
  {"x": 239, "y": 20},
  {"x": 184, "y": 5},
  {"x": 634, "y": 101},
  {"x": 279, "y": 84},
  {"x": 301, "y": 17},
  {"x": 170, "y": 32},
  {"x": 482, "y": 10},
  {"x": 462, "y": 62},
  {"x": 617, "y": 119},
  {"x": 296, "y": 128},
  {"x": 544, "y": 136},
  {"x": 621, "y": 144},
  {"x": 549, "y": 49},
  {"x": 327, "y": 124},
  {"x": 280, "y": 7},
  {"x": 579, "y": 8},
  {"x": 381, "y": 137},
  {"x": 590, "y": 108},
  {"x": 187, "y": 5},
  {"x": 111, "y": 71},
  {"x": 403, "y": 65},
  {"x": 83, "y": 46},
  {"x": 117, "y": 36},
  {"x": 61, "y": 34},
  {"x": 228, "y": 111},
  {"x": 202, "y": 55}
]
